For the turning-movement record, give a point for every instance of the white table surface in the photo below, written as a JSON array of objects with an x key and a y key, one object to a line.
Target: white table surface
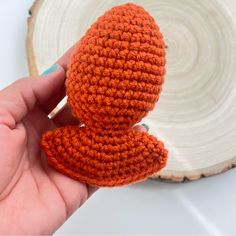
[{"x": 204, "y": 207}]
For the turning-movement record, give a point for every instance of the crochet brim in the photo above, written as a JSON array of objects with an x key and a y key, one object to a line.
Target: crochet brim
[{"x": 109, "y": 162}]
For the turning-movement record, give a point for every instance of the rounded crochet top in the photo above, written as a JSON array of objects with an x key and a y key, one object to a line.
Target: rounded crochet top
[
  {"x": 114, "y": 79},
  {"x": 117, "y": 69}
]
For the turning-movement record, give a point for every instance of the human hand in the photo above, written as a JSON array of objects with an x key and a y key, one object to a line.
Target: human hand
[{"x": 34, "y": 198}]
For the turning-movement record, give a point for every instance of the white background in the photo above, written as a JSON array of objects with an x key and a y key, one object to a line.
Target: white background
[{"x": 203, "y": 207}]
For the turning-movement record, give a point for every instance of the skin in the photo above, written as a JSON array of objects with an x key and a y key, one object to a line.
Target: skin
[{"x": 34, "y": 198}]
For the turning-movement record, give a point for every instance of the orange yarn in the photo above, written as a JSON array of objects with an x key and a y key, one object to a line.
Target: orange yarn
[{"x": 114, "y": 78}]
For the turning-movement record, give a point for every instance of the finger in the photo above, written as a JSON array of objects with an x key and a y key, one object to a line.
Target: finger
[
  {"x": 23, "y": 95},
  {"x": 65, "y": 117},
  {"x": 91, "y": 190},
  {"x": 63, "y": 60},
  {"x": 141, "y": 128},
  {"x": 58, "y": 95},
  {"x": 54, "y": 99}
]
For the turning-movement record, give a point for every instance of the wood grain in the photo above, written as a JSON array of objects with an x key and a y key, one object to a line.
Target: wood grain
[{"x": 196, "y": 113}]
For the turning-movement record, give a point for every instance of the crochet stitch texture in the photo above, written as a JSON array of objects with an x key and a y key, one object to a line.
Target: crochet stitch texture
[{"x": 114, "y": 79}]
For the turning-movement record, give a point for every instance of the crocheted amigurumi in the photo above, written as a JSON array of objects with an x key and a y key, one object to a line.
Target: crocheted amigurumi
[{"x": 114, "y": 79}]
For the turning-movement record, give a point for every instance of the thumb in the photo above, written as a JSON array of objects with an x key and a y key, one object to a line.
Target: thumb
[{"x": 19, "y": 98}]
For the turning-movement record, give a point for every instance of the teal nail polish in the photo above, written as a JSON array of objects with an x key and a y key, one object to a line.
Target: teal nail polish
[
  {"x": 145, "y": 126},
  {"x": 51, "y": 69}
]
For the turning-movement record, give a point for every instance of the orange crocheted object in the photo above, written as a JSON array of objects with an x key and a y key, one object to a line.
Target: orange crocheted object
[{"x": 114, "y": 78}]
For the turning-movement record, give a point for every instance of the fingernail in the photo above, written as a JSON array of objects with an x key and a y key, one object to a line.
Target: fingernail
[
  {"x": 51, "y": 69},
  {"x": 145, "y": 126}
]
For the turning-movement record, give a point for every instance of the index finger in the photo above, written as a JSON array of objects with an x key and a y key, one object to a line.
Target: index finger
[
  {"x": 58, "y": 95},
  {"x": 64, "y": 59}
]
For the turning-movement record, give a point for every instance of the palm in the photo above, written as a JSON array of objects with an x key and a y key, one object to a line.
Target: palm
[
  {"x": 34, "y": 198},
  {"x": 40, "y": 197}
]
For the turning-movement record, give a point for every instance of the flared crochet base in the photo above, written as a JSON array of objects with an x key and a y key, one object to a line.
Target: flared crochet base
[{"x": 103, "y": 159}]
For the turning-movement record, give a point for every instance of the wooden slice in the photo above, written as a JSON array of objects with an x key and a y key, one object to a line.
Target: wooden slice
[{"x": 196, "y": 114}]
